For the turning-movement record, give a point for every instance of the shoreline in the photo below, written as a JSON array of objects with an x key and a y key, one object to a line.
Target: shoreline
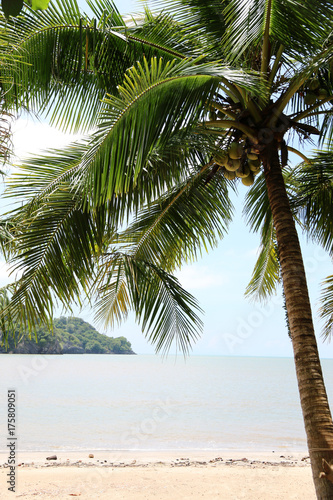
[
  {"x": 134, "y": 475},
  {"x": 151, "y": 457}
]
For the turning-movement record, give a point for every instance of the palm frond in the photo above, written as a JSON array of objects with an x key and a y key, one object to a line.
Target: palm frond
[
  {"x": 163, "y": 32},
  {"x": 313, "y": 198},
  {"x": 55, "y": 233},
  {"x": 8, "y": 231},
  {"x": 107, "y": 13},
  {"x": 44, "y": 174},
  {"x": 7, "y": 327},
  {"x": 166, "y": 233},
  {"x": 173, "y": 94},
  {"x": 266, "y": 273},
  {"x": 55, "y": 257},
  {"x": 300, "y": 27},
  {"x": 64, "y": 63},
  {"x": 163, "y": 308},
  {"x": 177, "y": 227},
  {"x": 204, "y": 20},
  {"x": 256, "y": 209},
  {"x": 326, "y": 309}
]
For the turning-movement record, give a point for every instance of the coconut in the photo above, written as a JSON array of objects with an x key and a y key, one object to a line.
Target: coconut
[
  {"x": 236, "y": 164},
  {"x": 310, "y": 99},
  {"x": 256, "y": 172},
  {"x": 254, "y": 168},
  {"x": 322, "y": 94},
  {"x": 229, "y": 175},
  {"x": 314, "y": 84},
  {"x": 221, "y": 158},
  {"x": 232, "y": 165},
  {"x": 243, "y": 171},
  {"x": 235, "y": 150},
  {"x": 252, "y": 156},
  {"x": 254, "y": 164},
  {"x": 249, "y": 180}
]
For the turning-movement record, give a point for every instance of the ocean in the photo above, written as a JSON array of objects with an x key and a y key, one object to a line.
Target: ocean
[{"x": 144, "y": 402}]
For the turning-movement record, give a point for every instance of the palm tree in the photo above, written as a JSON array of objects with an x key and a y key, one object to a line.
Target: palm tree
[{"x": 189, "y": 101}]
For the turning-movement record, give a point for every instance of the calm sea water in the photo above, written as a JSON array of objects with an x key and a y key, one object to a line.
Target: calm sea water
[{"x": 85, "y": 402}]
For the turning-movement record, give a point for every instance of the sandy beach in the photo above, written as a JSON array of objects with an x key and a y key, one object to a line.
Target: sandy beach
[{"x": 160, "y": 476}]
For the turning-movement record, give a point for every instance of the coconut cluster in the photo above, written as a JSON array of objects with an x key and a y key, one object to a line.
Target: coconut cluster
[
  {"x": 237, "y": 161},
  {"x": 314, "y": 92}
]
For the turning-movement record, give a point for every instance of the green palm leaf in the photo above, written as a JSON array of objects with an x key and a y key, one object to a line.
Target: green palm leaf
[
  {"x": 313, "y": 198},
  {"x": 201, "y": 20},
  {"x": 174, "y": 96},
  {"x": 326, "y": 309},
  {"x": 56, "y": 241},
  {"x": 266, "y": 273},
  {"x": 299, "y": 27},
  {"x": 184, "y": 222},
  {"x": 164, "y": 309}
]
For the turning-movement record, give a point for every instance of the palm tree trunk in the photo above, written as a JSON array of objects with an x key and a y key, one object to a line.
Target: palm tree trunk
[{"x": 314, "y": 402}]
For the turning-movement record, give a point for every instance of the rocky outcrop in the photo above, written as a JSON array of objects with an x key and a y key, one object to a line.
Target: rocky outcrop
[
  {"x": 72, "y": 349},
  {"x": 29, "y": 346},
  {"x": 26, "y": 347}
]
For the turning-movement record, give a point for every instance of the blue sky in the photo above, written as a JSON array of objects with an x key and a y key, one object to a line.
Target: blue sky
[{"x": 233, "y": 324}]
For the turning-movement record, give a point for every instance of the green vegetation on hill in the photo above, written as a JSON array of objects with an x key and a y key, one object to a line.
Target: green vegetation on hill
[{"x": 69, "y": 336}]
